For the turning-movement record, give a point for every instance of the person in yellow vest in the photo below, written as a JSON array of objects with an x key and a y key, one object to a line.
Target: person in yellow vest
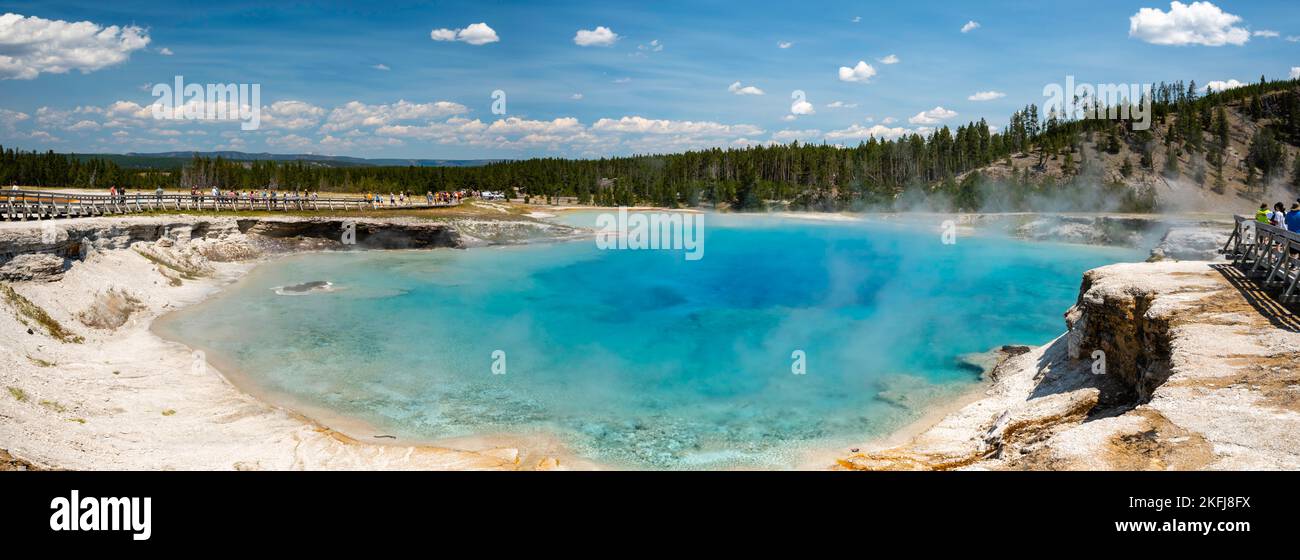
[{"x": 1261, "y": 215}]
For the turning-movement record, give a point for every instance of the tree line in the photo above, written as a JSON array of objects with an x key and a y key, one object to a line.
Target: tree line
[{"x": 876, "y": 173}]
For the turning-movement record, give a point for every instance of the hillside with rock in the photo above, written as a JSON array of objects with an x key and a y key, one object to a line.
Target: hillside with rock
[{"x": 1227, "y": 153}]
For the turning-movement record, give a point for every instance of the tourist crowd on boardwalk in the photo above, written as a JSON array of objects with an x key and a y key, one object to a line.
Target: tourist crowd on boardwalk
[
  {"x": 272, "y": 197},
  {"x": 1280, "y": 216}
]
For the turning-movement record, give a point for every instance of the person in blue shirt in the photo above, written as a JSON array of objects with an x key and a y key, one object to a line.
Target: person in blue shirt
[{"x": 1293, "y": 218}]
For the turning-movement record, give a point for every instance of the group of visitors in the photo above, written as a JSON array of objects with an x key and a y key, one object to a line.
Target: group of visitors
[
  {"x": 444, "y": 197},
  {"x": 263, "y": 197},
  {"x": 273, "y": 197},
  {"x": 403, "y": 198},
  {"x": 1280, "y": 216},
  {"x": 117, "y": 194}
]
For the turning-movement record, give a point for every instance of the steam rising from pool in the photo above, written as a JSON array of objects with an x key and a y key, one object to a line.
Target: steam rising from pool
[{"x": 641, "y": 358}]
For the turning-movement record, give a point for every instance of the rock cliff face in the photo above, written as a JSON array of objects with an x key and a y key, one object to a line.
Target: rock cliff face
[
  {"x": 365, "y": 234},
  {"x": 1113, "y": 325},
  {"x": 1168, "y": 365},
  {"x": 32, "y": 266},
  {"x": 73, "y": 238},
  {"x": 225, "y": 239}
]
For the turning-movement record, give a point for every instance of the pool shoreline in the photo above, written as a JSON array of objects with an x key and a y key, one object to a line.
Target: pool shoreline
[
  {"x": 813, "y": 453},
  {"x": 542, "y": 446},
  {"x": 278, "y": 432}
]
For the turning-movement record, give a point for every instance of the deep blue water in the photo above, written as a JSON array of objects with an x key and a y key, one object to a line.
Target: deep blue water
[{"x": 643, "y": 358}]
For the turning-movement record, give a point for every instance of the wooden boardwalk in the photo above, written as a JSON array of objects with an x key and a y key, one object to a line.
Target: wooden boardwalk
[
  {"x": 1269, "y": 253},
  {"x": 44, "y": 205}
]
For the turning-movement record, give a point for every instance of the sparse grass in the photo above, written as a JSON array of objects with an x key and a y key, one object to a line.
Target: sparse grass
[
  {"x": 186, "y": 272},
  {"x": 28, "y": 311},
  {"x": 157, "y": 261},
  {"x": 77, "y": 420},
  {"x": 168, "y": 412},
  {"x": 41, "y": 363},
  {"x": 56, "y": 407},
  {"x": 17, "y": 393}
]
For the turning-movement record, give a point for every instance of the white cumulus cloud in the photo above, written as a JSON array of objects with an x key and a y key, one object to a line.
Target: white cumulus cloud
[
  {"x": 1295, "y": 72},
  {"x": 970, "y": 26},
  {"x": 1198, "y": 23},
  {"x": 9, "y": 118},
  {"x": 788, "y": 135},
  {"x": 1221, "y": 85},
  {"x": 784, "y": 44},
  {"x": 292, "y": 115},
  {"x": 474, "y": 34},
  {"x": 860, "y": 73},
  {"x": 986, "y": 96},
  {"x": 601, "y": 36},
  {"x": 355, "y": 114},
  {"x": 737, "y": 89},
  {"x": 890, "y": 59},
  {"x": 642, "y": 125},
  {"x": 32, "y": 45},
  {"x": 802, "y": 107},
  {"x": 859, "y": 132},
  {"x": 933, "y": 116}
]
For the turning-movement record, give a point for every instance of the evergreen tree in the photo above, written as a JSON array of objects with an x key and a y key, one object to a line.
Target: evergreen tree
[
  {"x": 1265, "y": 153},
  {"x": 1295, "y": 173}
]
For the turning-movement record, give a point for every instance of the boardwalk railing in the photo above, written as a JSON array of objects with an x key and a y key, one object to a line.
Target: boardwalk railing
[
  {"x": 41, "y": 205},
  {"x": 1268, "y": 252}
]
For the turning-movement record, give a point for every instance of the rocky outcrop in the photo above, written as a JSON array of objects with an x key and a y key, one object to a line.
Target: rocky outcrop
[
  {"x": 1093, "y": 230},
  {"x": 33, "y": 267},
  {"x": 366, "y": 234},
  {"x": 224, "y": 239},
  {"x": 1192, "y": 243},
  {"x": 1114, "y": 326}
]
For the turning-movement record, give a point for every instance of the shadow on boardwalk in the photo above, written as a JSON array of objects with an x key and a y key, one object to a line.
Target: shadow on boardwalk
[{"x": 1281, "y": 315}]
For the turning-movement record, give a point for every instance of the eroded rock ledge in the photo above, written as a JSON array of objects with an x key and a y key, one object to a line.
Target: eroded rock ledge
[
  {"x": 1196, "y": 376},
  {"x": 72, "y": 238},
  {"x": 45, "y": 250}
]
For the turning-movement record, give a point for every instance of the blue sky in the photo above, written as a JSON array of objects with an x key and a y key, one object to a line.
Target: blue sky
[{"x": 368, "y": 79}]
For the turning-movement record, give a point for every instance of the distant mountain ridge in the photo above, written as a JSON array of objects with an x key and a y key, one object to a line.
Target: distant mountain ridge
[{"x": 160, "y": 159}]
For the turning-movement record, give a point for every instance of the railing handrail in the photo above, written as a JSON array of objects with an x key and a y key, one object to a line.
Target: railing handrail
[
  {"x": 1261, "y": 226},
  {"x": 1265, "y": 250}
]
